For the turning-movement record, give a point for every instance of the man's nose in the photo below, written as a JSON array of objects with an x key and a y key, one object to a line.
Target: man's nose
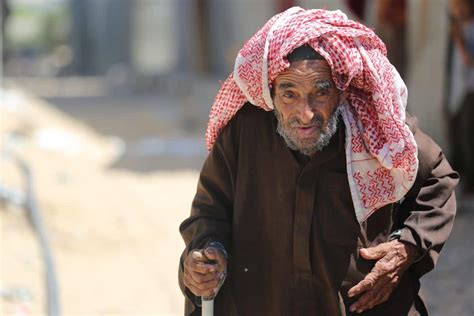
[{"x": 306, "y": 112}]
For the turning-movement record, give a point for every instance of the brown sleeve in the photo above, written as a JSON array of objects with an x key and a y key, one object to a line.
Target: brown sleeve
[
  {"x": 211, "y": 211},
  {"x": 427, "y": 213}
]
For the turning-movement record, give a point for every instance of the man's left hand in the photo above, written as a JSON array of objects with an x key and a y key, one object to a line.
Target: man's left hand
[{"x": 394, "y": 257}]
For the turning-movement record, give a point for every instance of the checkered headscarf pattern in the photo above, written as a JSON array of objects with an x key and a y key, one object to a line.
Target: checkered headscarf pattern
[{"x": 380, "y": 149}]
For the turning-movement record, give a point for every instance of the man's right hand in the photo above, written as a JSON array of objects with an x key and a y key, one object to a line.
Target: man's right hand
[{"x": 204, "y": 269}]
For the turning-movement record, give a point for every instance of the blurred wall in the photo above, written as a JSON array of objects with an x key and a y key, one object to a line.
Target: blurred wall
[
  {"x": 323, "y": 4},
  {"x": 195, "y": 38},
  {"x": 100, "y": 35},
  {"x": 192, "y": 36},
  {"x": 153, "y": 42},
  {"x": 428, "y": 41}
]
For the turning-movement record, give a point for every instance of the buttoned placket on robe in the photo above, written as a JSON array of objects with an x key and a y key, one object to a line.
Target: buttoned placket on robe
[{"x": 306, "y": 191}]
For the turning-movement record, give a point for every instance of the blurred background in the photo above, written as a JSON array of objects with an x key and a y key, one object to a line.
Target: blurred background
[{"x": 103, "y": 110}]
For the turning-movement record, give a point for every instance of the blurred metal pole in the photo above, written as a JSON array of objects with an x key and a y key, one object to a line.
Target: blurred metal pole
[
  {"x": 37, "y": 223},
  {"x": 34, "y": 216}
]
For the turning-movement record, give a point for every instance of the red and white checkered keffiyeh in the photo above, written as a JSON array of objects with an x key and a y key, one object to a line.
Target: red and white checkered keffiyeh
[{"x": 380, "y": 149}]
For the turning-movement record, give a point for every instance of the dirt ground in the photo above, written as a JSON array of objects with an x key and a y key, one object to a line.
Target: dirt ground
[
  {"x": 114, "y": 231},
  {"x": 114, "y": 234}
]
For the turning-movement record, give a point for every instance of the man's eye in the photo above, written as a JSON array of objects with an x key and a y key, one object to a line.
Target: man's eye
[
  {"x": 289, "y": 95},
  {"x": 322, "y": 93}
]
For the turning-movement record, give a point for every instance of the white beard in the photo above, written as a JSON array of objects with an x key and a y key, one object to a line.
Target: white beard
[{"x": 319, "y": 143}]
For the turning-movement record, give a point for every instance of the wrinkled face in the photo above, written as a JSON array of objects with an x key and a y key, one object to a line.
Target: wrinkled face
[{"x": 306, "y": 105}]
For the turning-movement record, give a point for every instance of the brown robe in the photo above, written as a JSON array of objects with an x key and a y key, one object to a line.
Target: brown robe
[{"x": 290, "y": 229}]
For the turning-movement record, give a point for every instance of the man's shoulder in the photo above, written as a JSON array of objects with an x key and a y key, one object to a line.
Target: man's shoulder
[
  {"x": 249, "y": 117},
  {"x": 250, "y": 112},
  {"x": 430, "y": 155},
  {"x": 429, "y": 151},
  {"x": 248, "y": 125}
]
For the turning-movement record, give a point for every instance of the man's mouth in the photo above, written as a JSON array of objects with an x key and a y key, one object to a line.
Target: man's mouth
[{"x": 307, "y": 130}]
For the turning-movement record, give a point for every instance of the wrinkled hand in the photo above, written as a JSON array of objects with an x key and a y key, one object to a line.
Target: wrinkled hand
[
  {"x": 394, "y": 257},
  {"x": 204, "y": 271}
]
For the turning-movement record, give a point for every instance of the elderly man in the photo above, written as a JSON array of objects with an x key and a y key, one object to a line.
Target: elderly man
[{"x": 319, "y": 195}]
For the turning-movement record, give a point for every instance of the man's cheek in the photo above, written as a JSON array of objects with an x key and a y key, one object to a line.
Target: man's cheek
[{"x": 293, "y": 121}]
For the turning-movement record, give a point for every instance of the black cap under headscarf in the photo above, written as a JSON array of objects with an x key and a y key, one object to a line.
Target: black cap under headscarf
[{"x": 302, "y": 53}]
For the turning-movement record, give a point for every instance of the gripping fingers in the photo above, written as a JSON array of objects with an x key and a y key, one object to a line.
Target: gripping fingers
[
  {"x": 200, "y": 266},
  {"x": 205, "y": 288},
  {"x": 216, "y": 254},
  {"x": 198, "y": 292},
  {"x": 203, "y": 278},
  {"x": 204, "y": 271}
]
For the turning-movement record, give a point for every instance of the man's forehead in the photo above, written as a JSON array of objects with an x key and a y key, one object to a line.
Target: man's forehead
[{"x": 314, "y": 70}]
